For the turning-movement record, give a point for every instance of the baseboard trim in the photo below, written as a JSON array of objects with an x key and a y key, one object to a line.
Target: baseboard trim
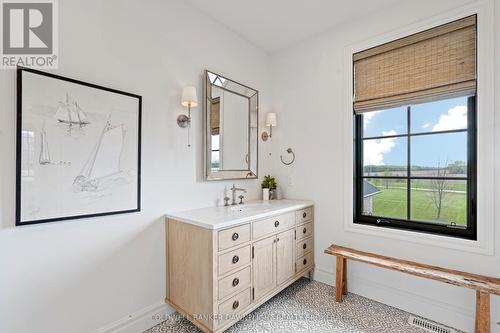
[
  {"x": 138, "y": 321},
  {"x": 441, "y": 312}
]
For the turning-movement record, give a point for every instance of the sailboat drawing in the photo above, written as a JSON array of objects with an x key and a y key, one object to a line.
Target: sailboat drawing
[
  {"x": 103, "y": 164},
  {"x": 44, "y": 157},
  {"x": 70, "y": 113}
]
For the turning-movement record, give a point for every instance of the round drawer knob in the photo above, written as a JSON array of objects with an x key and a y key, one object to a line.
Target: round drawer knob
[
  {"x": 236, "y": 304},
  {"x": 304, "y": 261},
  {"x": 235, "y": 259},
  {"x": 235, "y": 282},
  {"x": 235, "y": 236},
  {"x": 304, "y": 246},
  {"x": 304, "y": 230},
  {"x": 304, "y": 214},
  {"x": 276, "y": 223}
]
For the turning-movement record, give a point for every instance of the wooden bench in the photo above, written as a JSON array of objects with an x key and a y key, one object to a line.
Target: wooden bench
[{"x": 483, "y": 285}]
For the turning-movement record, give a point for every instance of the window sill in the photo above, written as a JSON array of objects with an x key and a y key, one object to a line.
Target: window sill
[
  {"x": 442, "y": 241},
  {"x": 417, "y": 227}
]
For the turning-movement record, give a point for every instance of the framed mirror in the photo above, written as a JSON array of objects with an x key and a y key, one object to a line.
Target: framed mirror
[{"x": 231, "y": 125}]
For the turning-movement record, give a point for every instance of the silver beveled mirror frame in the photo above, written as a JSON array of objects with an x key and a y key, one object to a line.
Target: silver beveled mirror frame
[{"x": 251, "y": 172}]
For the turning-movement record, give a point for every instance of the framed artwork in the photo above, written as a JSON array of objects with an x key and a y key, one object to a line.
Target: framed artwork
[{"x": 78, "y": 149}]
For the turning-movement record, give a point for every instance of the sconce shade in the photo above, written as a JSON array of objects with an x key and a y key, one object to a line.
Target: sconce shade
[
  {"x": 271, "y": 119},
  {"x": 189, "y": 97}
]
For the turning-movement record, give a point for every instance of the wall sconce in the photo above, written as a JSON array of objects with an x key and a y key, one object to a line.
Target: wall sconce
[
  {"x": 270, "y": 121},
  {"x": 189, "y": 99}
]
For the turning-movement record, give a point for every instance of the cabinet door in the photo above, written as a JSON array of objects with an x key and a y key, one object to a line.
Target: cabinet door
[
  {"x": 285, "y": 256},
  {"x": 264, "y": 266}
]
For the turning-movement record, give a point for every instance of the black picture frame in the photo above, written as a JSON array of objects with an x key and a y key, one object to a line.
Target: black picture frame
[{"x": 18, "y": 220}]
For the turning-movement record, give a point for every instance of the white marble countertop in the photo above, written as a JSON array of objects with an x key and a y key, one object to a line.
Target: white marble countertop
[{"x": 223, "y": 217}]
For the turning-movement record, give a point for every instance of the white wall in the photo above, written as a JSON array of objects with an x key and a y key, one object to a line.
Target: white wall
[
  {"x": 309, "y": 94},
  {"x": 78, "y": 276}
]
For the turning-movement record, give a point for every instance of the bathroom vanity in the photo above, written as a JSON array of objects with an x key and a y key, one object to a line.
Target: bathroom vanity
[{"x": 223, "y": 262}]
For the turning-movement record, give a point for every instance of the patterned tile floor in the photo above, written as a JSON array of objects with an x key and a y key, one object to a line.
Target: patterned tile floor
[{"x": 310, "y": 307}]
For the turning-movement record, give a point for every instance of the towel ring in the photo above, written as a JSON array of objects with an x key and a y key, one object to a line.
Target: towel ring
[{"x": 289, "y": 151}]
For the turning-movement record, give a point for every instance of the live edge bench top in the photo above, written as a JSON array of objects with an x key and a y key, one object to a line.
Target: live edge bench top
[{"x": 474, "y": 281}]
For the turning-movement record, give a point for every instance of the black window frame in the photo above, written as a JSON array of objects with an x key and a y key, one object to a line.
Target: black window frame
[{"x": 470, "y": 232}]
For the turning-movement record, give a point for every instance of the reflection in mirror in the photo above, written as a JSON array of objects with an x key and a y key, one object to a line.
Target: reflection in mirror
[{"x": 231, "y": 129}]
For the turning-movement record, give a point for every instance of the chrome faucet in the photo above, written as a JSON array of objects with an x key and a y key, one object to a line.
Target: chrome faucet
[{"x": 233, "y": 190}]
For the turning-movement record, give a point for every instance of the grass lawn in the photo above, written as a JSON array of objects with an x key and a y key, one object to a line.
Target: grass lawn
[{"x": 391, "y": 202}]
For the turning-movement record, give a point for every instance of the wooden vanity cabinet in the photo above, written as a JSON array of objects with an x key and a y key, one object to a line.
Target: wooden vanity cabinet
[{"x": 217, "y": 276}]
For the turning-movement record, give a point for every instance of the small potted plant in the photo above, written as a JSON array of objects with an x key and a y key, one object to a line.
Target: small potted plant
[{"x": 268, "y": 187}]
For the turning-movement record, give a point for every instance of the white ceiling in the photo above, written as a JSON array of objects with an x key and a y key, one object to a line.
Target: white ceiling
[{"x": 275, "y": 24}]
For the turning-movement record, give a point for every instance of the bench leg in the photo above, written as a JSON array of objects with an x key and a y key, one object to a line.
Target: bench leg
[
  {"x": 344, "y": 278},
  {"x": 482, "y": 312},
  {"x": 339, "y": 283}
]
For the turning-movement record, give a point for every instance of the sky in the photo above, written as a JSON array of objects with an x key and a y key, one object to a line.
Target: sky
[{"x": 426, "y": 150}]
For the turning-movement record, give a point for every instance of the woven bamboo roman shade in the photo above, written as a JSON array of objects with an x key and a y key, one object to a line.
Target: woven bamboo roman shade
[
  {"x": 215, "y": 116},
  {"x": 440, "y": 62}
]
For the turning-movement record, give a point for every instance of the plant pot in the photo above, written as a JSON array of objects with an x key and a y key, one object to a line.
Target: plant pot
[{"x": 265, "y": 194}]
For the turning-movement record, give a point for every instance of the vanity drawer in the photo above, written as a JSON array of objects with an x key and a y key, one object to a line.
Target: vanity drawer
[
  {"x": 304, "y": 231},
  {"x": 305, "y": 261},
  {"x": 234, "y": 259},
  {"x": 234, "y": 282},
  {"x": 234, "y": 305},
  {"x": 234, "y": 236},
  {"x": 304, "y": 246},
  {"x": 303, "y": 215},
  {"x": 272, "y": 225}
]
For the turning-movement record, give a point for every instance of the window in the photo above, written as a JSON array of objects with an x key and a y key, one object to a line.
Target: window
[
  {"x": 215, "y": 158},
  {"x": 415, "y": 131},
  {"x": 415, "y": 167}
]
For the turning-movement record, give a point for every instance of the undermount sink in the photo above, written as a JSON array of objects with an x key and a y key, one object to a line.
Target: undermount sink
[{"x": 250, "y": 207}]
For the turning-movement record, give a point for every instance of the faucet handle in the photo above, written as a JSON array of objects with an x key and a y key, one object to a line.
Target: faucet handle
[
  {"x": 241, "y": 199},
  {"x": 226, "y": 201}
]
